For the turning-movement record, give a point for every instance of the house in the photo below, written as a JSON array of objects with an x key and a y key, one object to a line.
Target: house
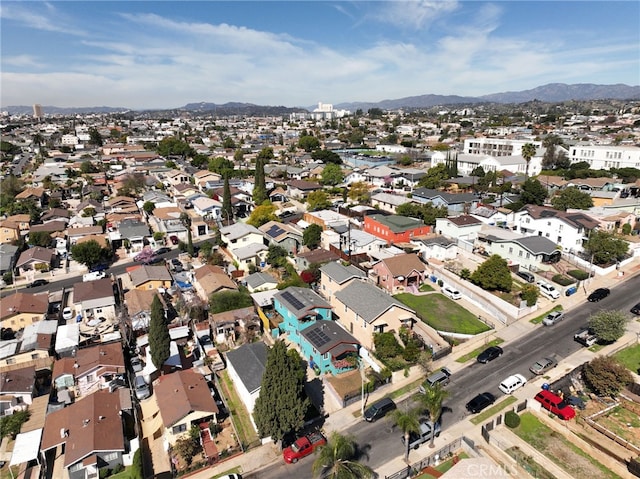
[
  {"x": 175, "y": 177},
  {"x": 9, "y": 231},
  {"x": 492, "y": 216},
  {"x": 241, "y": 234},
  {"x": 211, "y": 279},
  {"x": 22, "y": 220},
  {"x": 246, "y": 366},
  {"x": 8, "y": 254},
  {"x": 326, "y": 219},
  {"x": 530, "y": 252},
  {"x": 95, "y": 299},
  {"x": 133, "y": 231},
  {"x": 138, "y": 303},
  {"x": 56, "y": 214},
  {"x": 260, "y": 282},
  {"x": 464, "y": 227},
  {"x": 456, "y": 203},
  {"x": 363, "y": 310},
  {"x": 329, "y": 348},
  {"x": 237, "y": 324},
  {"x": 300, "y": 189},
  {"x": 74, "y": 234},
  {"x": 334, "y": 276},
  {"x": 184, "y": 400},
  {"x": 353, "y": 243},
  {"x": 91, "y": 369},
  {"x": 22, "y": 309},
  {"x": 37, "y": 195},
  {"x": 317, "y": 256},
  {"x": 206, "y": 207},
  {"x": 398, "y": 273},
  {"x": 388, "y": 202},
  {"x": 284, "y": 235},
  {"x": 436, "y": 247},
  {"x": 150, "y": 277},
  {"x": 87, "y": 435},
  {"x": 36, "y": 258},
  {"x": 395, "y": 229},
  {"x": 53, "y": 226},
  {"x": 202, "y": 177},
  {"x": 252, "y": 254},
  {"x": 299, "y": 308},
  {"x": 18, "y": 389},
  {"x": 240, "y": 201},
  {"x": 184, "y": 190},
  {"x": 122, "y": 204},
  {"x": 167, "y": 220}
]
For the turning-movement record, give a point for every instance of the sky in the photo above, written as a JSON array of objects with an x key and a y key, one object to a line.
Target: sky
[{"x": 147, "y": 55}]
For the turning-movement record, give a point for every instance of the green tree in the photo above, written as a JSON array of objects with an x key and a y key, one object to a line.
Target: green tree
[
  {"x": 359, "y": 192},
  {"x": 326, "y": 156},
  {"x": 609, "y": 326},
  {"x": 277, "y": 256},
  {"x": 533, "y": 192},
  {"x": 409, "y": 422},
  {"x": 40, "y": 238},
  {"x": 10, "y": 186},
  {"x": 493, "y": 274},
  {"x": 605, "y": 248},
  {"x": 311, "y": 236},
  {"x": 220, "y": 165},
  {"x": 90, "y": 253},
  {"x": 435, "y": 176},
  {"x": 185, "y": 219},
  {"x": 132, "y": 185},
  {"x": 229, "y": 300},
  {"x": 228, "y": 143},
  {"x": 227, "y": 211},
  {"x": 308, "y": 143},
  {"x": 338, "y": 459},
  {"x": 172, "y": 146},
  {"x": 606, "y": 376},
  {"x": 572, "y": 197},
  {"x": 432, "y": 400},
  {"x": 386, "y": 345},
  {"x": 282, "y": 403},
  {"x": 426, "y": 212},
  {"x": 87, "y": 168},
  {"x": 260, "y": 189},
  {"x": 262, "y": 214},
  {"x": 10, "y": 425},
  {"x": 530, "y": 294},
  {"x": 332, "y": 174},
  {"x": 94, "y": 137},
  {"x": 148, "y": 207},
  {"x": 528, "y": 152},
  {"x": 318, "y": 200},
  {"x": 159, "y": 339}
]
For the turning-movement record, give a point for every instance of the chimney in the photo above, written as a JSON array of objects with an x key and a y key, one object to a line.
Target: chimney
[{"x": 85, "y": 422}]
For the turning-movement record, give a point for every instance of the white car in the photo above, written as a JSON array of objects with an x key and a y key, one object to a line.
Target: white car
[
  {"x": 451, "y": 292},
  {"x": 548, "y": 290},
  {"x": 67, "y": 314},
  {"x": 512, "y": 383}
]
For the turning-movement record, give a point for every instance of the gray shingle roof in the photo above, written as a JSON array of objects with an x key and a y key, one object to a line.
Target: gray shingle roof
[
  {"x": 256, "y": 280},
  {"x": 537, "y": 244},
  {"x": 337, "y": 336},
  {"x": 238, "y": 230},
  {"x": 250, "y": 362},
  {"x": 368, "y": 301},
  {"x": 449, "y": 198},
  {"x": 307, "y": 298},
  {"x": 339, "y": 273}
]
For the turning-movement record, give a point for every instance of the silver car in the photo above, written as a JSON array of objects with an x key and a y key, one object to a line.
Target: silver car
[
  {"x": 553, "y": 318},
  {"x": 142, "y": 388},
  {"x": 543, "y": 365}
]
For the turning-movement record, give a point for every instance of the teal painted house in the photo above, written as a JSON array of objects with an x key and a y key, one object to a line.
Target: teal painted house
[
  {"x": 329, "y": 348},
  {"x": 299, "y": 308}
]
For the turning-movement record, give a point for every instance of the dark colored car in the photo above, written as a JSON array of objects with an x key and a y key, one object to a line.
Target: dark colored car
[
  {"x": 598, "y": 294},
  {"x": 99, "y": 267},
  {"x": 38, "y": 282},
  {"x": 636, "y": 309},
  {"x": 480, "y": 402},
  {"x": 490, "y": 354},
  {"x": 174, "y": 239},
  {"x": 379, "y": 409},
  {"x": 528, "y": 277},
  {"x": 163, "y": 250},
  {"x": 153, "y": 260}
]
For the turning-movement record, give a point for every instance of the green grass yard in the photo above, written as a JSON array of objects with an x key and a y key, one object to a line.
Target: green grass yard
[
  {"x": 630, "y": 357},
  {"x": 442, "y": 313},
  {"x": 493, "y": 410}
]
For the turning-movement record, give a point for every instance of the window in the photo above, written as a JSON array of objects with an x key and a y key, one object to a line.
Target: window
[
  {"x": 179, "y": 428},
  {"x": 76, "y": 467},
  {"x": 98, "y": 310},
  {"x": 110, "y": 456}
]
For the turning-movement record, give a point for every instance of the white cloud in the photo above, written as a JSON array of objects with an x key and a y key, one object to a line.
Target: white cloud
[
  {"x": 51, "y": 21},
  {"x": 415, "y": 14}
]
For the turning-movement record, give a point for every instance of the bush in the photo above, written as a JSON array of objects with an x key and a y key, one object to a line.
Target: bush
[
  {"x": 7, "y": 277},
  {"x": 562, "y": 280},
  {"x": 578, "y": 274},
  {"x": 511, "y": 419}
]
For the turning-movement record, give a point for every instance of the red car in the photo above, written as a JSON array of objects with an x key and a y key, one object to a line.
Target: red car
[
  {"x": 554, "y": 403},
  {"x": 303, "y": 446},
  {"x": 174, "y": 239}
]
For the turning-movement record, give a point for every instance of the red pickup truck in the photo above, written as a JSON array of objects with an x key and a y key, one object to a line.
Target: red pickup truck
[{"x": 303, "y": 446}]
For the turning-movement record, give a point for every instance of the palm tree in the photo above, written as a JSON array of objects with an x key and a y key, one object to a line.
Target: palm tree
[
  {"x": 432, "y": 401},
  {"x": 336, "y": 459},
  {"x": 408, "y": 421},
  {"x": 186, "y": 221},
  {"x": 528, "y": 152}
]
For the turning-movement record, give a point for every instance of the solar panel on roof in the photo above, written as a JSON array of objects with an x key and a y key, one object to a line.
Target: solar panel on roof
[
  {"x": 292, "y": 300},
  {"x": 275, "y": 231},
  {"x": 318, "y": 337}
]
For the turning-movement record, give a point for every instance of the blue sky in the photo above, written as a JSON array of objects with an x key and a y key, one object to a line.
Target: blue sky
[{"x": 166, "y": 54}]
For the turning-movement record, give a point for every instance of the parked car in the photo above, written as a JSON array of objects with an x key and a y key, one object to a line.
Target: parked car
[
  {"x": 636, "y": 309},
  {"x": 174, "y": 239},
  {"x": 555, "y": 404},
  {"x": 38, "y": 282},
  {"x": 528, "y": 277},
  {"x": 480, "y": 402},
  {"x": 176, "y": 262},
  {"x": 553, "y": 318},
  {"x": 586, "y": 337},
  {"x": 142, "y": 388},
  {"x": 379, "y": 409},
  {"x": 426, "y": 431},
  {"x": 512, "y": 383},
  {"x": 99, "y": 267},
  {"x": 599, "y": 294},
  {"x": 451, "y": 292},
  {"x": 230, "y": 476},
  {"x": 548, "y": 290},
  {"x": 490, "y": 354},
  {"x": 136, "y": 364},
  {"x": 543, "y": 365},
  {"x": 67, "y": 314},
  {"x": 163, "y": 250},
  {"x": 441, "y": 376},
  {"x": 303, "y": 446}
]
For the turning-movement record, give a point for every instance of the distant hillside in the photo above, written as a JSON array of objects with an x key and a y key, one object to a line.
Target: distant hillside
[
  {"x": 55, "y": 110},
  {"x": 557, "y": 92},
  {"x": 243, "y": 109},
  {"x": 422, "y": 101}
]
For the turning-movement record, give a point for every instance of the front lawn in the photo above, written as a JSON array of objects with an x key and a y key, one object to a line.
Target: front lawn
[
  {"x": 630, "y": 357},
  {"x": 442, "y": 313},
  {"x": 493, "y": 410},
  {"x": 474, "y": 354}
]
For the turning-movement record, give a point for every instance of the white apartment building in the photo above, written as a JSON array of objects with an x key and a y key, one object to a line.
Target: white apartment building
[
  {"x": 496, "y": 146},
  {"x": 467, "y": 163},
  {"x": 604, "y": 157},
  {"x": 69, "y": 140}
]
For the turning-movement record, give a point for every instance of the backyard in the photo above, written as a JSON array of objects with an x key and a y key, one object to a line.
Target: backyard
[
  {"x": 630, "y": 357},
  {"x": 443, "y": 314},
  {"x": 560, "y": 450}
]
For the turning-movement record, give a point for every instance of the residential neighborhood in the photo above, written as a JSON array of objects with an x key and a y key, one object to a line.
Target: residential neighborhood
[{"x": 153, "y": 268}]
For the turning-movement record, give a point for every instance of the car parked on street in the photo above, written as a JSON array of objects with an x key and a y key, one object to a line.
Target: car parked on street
[
  {"x": 636, "y": 309},
  {"x": 426, "y": 432},
  {"x": 163, "y": 250},
  {"x": 379, "y": 409},
  {"x": 553, "y": 318},
  {"x": 490, "y": 354},
  {"x": 451, "y": 292},
  {"x": 38, "y": 282},
  {"x": 598, "y": 295},
  {"x": 512, "y": 383},
  {"x": 543, "y": 365},
  {"x": 480, "y": 402}
]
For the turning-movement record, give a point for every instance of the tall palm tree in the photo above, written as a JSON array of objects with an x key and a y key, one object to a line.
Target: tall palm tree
[
  {"x": 408, "y": 421},
  {"x": 528, "y": 152},
  {"x": 432, "y": 401},
  {"x": 337, "y": 459},
  {"x": 185, "y": 219}
]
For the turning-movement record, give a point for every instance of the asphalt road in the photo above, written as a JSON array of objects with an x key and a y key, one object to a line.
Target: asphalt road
[{"x": 381, "y": 440}]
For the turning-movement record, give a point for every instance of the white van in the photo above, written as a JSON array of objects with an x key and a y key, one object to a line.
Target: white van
[
  {"x": 548, "y": 290},
  {"x": 512, "y": 383},
  {"x": 93, "y": 276}
]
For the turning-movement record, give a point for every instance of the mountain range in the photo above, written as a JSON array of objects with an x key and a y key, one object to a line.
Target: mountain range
[{"x": 552, "y": 92}]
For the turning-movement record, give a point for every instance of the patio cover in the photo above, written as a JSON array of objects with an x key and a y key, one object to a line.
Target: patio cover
[{"x": 26, "y": 447}]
